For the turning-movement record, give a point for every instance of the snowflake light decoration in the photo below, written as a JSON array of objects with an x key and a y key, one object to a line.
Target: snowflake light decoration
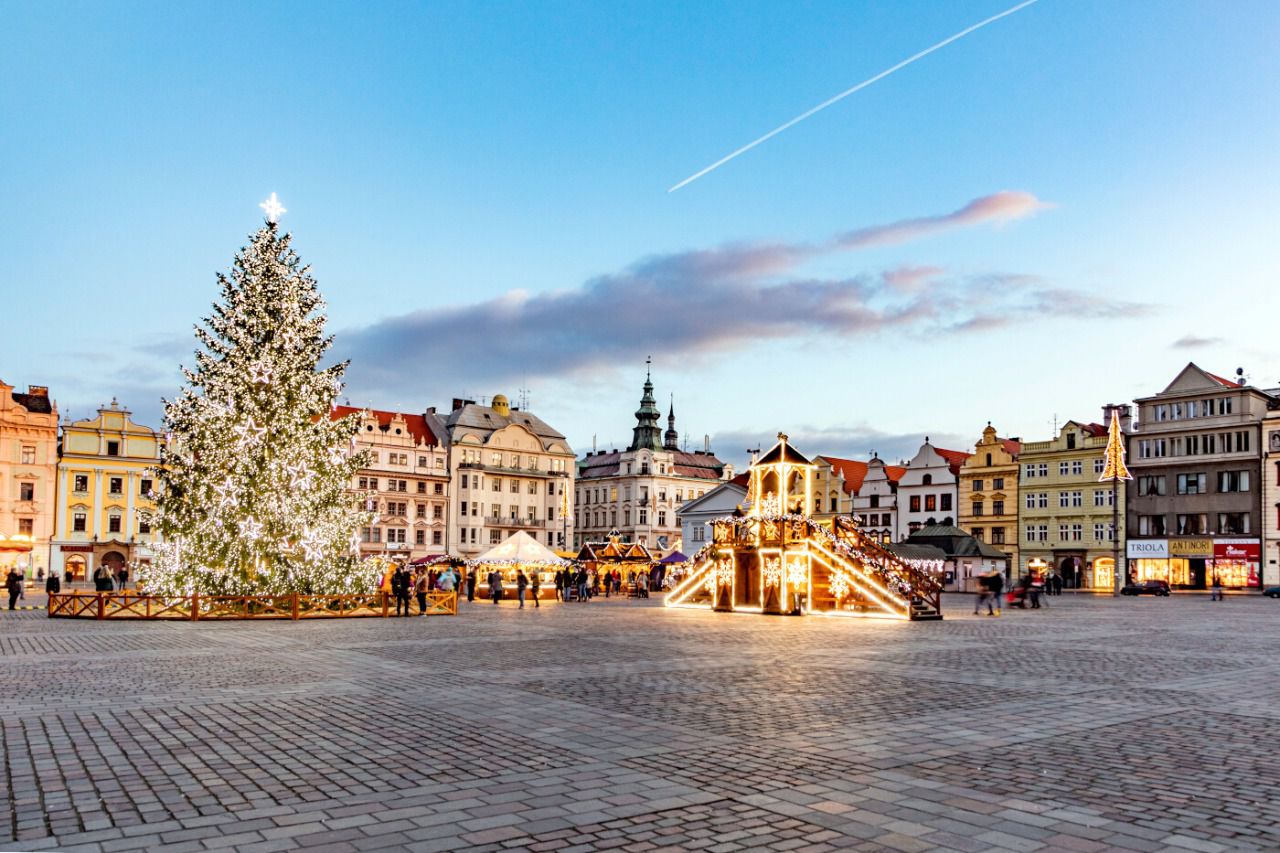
[
  {"x": 772, "y": 572},
  {"x": 839, "y": 586}
]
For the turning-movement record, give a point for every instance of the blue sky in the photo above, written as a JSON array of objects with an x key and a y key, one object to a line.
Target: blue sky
[{"x": 436, "y": 159}]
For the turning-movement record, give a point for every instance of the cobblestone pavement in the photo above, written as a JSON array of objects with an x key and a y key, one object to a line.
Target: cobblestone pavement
[{"x": 1095, "y": 724}]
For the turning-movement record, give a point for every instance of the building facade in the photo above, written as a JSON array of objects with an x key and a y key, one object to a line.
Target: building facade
[
  {"x": 875, "y": 502},
  {"x": 1271, "y": 493},
  {"x": 407, "y": 482},
  {"x": 988, "y": 507},
  {"x": 638, "y": 492},
  {"x": 1065, "y": 515},
  {"x": 106, "y": 474},
  {"x": 929, "y": 489},
  {"x": 511, "y": 472},
  {"x": 28, "y": 467},
  {"x": 1195, "y": 504}
]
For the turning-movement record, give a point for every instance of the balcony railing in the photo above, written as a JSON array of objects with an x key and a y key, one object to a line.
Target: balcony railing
[
  {"x": 514, "y": 472},
  {"x": 514, "y": 522}
]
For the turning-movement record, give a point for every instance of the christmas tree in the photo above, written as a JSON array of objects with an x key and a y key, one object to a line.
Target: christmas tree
[{"x": 252, "y": 495}]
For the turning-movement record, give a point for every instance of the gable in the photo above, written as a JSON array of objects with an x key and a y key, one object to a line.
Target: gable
[{"x": 1193, "y": 379}]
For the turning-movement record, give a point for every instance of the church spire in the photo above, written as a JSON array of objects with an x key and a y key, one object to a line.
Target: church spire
[
  {"x": 647, "y": 433},
  {"x": 671, "y": 440}
]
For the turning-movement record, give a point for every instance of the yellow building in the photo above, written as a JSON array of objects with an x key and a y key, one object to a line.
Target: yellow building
[
  {"x": 104, "y": 482},
  {"x": 28, "y": 458},
  {"x": 989, "y": 493}
]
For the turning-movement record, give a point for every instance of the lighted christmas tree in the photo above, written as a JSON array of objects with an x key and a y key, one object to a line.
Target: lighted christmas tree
[{"x": 252, "y": 495}]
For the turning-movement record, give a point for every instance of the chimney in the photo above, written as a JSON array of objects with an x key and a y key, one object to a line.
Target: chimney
[
  {"x": 38, "y": 390},
  {"x": 457, "y": 404},
  {"x": 706, "y": 443},
  {"x": 1123, "y": 413}
]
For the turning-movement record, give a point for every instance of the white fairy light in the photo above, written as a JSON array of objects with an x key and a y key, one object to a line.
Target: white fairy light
[{"x": 251, "y": 528}]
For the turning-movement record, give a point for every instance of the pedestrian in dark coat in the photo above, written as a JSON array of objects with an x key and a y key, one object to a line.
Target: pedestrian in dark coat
[
  {"x": 401, "y": 585},
  {"x": 13, "y": 583},
  {"x": 471, "y": 585}
]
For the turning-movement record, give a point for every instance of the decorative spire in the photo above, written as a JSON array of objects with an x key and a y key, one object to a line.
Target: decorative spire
[
  {"x": 1113, "y": 467},
  {"x": 647, "y": 433},
  {"x": 671, "y": 440}
]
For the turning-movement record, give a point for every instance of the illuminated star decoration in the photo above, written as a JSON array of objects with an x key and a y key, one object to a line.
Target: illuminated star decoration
[
  {"x": 355, "y": 543},
  {"x": 249, "y": 431},
  {"x": 310, "y": 546},
  {"x": 225, "y": 493},
  {"x": 251, "y": 528},
  {"x": 260, "y": 373},
  {"x": 299, "y": 476},
  {"x": 273, "y": 208}
]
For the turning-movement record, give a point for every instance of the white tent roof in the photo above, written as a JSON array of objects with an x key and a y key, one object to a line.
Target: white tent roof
[{"x": 519, "y": 547}]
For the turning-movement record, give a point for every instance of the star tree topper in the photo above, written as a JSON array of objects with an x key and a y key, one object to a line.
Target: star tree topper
[{"x": 273, "y": 208}]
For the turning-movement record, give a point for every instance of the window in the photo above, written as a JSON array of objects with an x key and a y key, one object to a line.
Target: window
[
  {"x": 422, "y": 462},
  {"x": 496, "y": 484},
  {"x": 1029, "y": 471},
  {"x": 1077, "y": 499},
  {"x": 875, "y": 501},
  {"x": 1064, "y": 500},
  {"x": 1042, "y": 501},
  {"x": 419, "y": 537},
  {"x": 1191, "y": 484},
  {"x": 1030, "y": 500},
  {"x": 421, "y": 511},
  {"x": 78, "y": 522},
  {"x": 464, "y": 482},
  {"x": 495, "y": 537},
  {"x": 643, "y": 516},
  {"x": 1152, "y": 525},
  {"x": 997, "y": 536},
  {"x": 1077, "y": 532},
  {"x": 422, "y": 487},
  {"x": 144, "y": 486},
  {"x": 1077, "y": 467},
  {"x": 116, "y": 486},
  {"x": 26, "y": 526},
  {"x": 1064, "y": 532},
  {"x": 515, "y": 487},
  {"x": 437, "y": 537},
  {"x": 977, "y": 533},
  {"x": 930, "y": 503},
  {"x": 532, "y": 513},
  {"x": 439, "y": 463},
  {"x": 532, "y": 487},
  {"x": 997, "y": 507},
  {"x": 113, "y": 524},
  {"x": 946, "y": 503},
  {"x": 833, "y": 504},
  {"x": 26, "y": 491},
  {"x": 1191, "y": 523},
  {"x": 977, "y": 509},
  {"x": 927, "y": 480},
  {"x": 495, "y": 510},
  {"x": 1043, "y": 470},
  {"x": 915, "y": 503},
  {"x": 977, "y": 485},
  {"x": 513, "y": 511},
  {"x": 1242, "y": 441},
  {"x": 1233, "y": 481},
  {"x": 113, "y": 448},
  {"x": 144, "y": 524},
  {"x": 475, "y": 508},
  {"x": 28, "y": 454},
  {"x": 1099, "y": 531},
  {"x": 997, "y": 483},
  {"x": 437, "y": 512},
  {"x": 1099, "y": 464},
  {"x": 1224, "y": 405},
  {"x": 662, "y": 518},
  {"x": 1233, "y": 522},
  {"x": 438, "y": 489},
  {"x": 1151, "y": 485},
  {"x": 1071, "y": 441},
  {"x": 1063, "y": 468},
  {"x": 81, "y": 483}
]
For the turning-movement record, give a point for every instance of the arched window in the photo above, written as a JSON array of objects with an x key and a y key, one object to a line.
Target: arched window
[{"x": 928, "y": 480}]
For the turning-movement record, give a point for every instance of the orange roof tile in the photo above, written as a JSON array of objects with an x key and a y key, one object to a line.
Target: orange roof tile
[{"x": 416, "y": 424}]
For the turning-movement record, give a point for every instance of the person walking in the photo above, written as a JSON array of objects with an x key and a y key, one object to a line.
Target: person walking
[
  {"x": 495, "y": 586},
  {"x": 559, "y": 584},
  {"x": 401, "y": 586},
  {"x": 13, "y": 583},
  {"x": 522, "y": 585},
  {"x": 535, "y": 584},
  {"x": 123, "y": 575},
  {"x": 997, "y": 588},
  {"x": 471, "y": 584},
  {"x": 102, "y": 578},
  {"x": 984, "y": 595},
  {"x": 1216, "y": 593},
  {"x": 52, "y": 586},
  {"x": 1035, "y": 587},
  {"x": 581, "y": 582}
]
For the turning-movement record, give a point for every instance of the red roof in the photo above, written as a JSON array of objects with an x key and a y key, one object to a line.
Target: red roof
[
  {"x": 855, "y": 472},
  {"x": 1227, "y": 382},
  {"x": 955, "y": 458},
  {"x": 416, "y": 424},
  {"x": 1095, "y": 429},
  {"x": 743, "y": 480},
  {"x": 1012, "y": 445}
]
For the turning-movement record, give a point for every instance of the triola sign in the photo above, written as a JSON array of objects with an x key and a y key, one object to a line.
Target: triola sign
[{"x": 1144, "y": 549}]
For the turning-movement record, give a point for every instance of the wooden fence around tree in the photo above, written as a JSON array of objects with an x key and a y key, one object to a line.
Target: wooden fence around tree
[{"x": 136, "y": 605}]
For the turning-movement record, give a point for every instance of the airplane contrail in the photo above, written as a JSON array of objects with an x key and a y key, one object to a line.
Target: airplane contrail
[{"x": 847, "y": 92}]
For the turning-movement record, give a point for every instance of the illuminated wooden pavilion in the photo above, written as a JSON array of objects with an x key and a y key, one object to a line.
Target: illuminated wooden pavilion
[{"x": 777, "y": 559}]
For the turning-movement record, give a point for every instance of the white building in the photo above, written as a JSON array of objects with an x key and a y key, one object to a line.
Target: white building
[
  {"x": 1271, "y": 495},
  {"x": 929, "y": 489},
  {"x": 875, "y": 502},
  {"x": 511, "y": 472}
]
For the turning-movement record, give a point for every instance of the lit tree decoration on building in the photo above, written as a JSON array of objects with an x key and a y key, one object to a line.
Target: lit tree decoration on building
[
  {"x": 1113, "y": 467},
  {"x": 252, "y": 495}
]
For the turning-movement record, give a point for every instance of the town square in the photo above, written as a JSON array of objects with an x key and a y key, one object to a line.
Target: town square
[
  {"x": 1092, "y": 724},
  {"x": 575, "y": 426}
]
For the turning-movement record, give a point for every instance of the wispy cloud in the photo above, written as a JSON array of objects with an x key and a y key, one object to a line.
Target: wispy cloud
[
  {"x": 1194, "y": 342},
  {"x": 705, "y": 301}
]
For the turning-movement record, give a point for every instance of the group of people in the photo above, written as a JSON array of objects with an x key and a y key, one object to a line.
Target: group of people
[
  {"x": 1027, "y": 592},
  {"x": 106, "y": 579},
  {"x": 405, "y": 584}
]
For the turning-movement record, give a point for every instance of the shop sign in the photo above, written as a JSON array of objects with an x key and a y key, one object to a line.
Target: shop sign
[
  {"x": 1244, "y": 550},
  {"x": 1147, "y": 549},
  {"x": 1190, "y": 547},
  {"x": 76, "y": 549}
]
